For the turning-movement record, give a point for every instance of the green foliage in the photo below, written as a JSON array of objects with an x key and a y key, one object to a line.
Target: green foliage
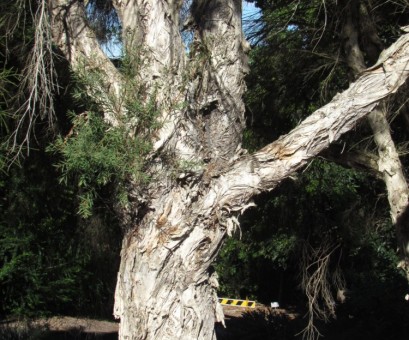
[
  {"x": 47, "y": 265},
  {"x": 33, "y": 279},
  {"x": 35, "y": 243},
  {"x": 51, "y": 261},
  {"x": 39, "y": 261},
  {"x": 96, "y": 154},
  {"x": 325, "y": 202},
  {"x": 296, "y": 67},
  {"x": 246, "y": 265},
  {"x": 290, "y": 88}
]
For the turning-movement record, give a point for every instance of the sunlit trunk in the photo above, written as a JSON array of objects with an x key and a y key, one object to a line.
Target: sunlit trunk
[
  {"x": 166, "y": 286},
  {"x": 389, "y": 164},
  {"x": 200, "y": 178}
]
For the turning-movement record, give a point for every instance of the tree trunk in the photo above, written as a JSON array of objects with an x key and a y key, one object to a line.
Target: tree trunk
[
  {"x": 201, "y": 179},
  {"x": 186, "y": 226},
  {"x": 389, "y": 164},
  {"x": 166, "y": 287}
]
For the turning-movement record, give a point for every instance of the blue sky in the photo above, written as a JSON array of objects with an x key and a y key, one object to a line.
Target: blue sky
[
  {"x": 249, "y": 9},
  {"x": 250, "y": 12},
  {"x": 115, "y": 49}
]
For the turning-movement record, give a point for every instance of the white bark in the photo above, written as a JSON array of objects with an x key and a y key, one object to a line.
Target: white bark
[
  {"x": 389, "y": 164},
  {"x": 80, "y": 47},
  {"x": 165, "y": 281},
  {"x": 166, "y": 287},
  {"x": 396, "y": 185},
  {"x": 191, "y": 232},
  {"x": 278, "y": 160}
]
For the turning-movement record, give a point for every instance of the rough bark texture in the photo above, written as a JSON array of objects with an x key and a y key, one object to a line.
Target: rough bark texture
[
  {"x": 165, "y": 288},
  {"x": 165, "y": 284},
  {"x": 389, "y": 164},
  {"x": 78, "y": 43},
  {"x": 201, "y": 178}
]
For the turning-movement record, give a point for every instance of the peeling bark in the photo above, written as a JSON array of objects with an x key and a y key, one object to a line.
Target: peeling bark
[
  {"x": 176, "y": 224},
  {"x": 166, "y": 288},
  {"x": 388, "y": 162},
  {"x": 78, "y": 43}
]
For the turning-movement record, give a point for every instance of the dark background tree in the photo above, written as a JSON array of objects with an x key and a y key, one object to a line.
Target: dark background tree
[
  {"x": 52, "y": 260},
  {"x": 299, "y": 61}
]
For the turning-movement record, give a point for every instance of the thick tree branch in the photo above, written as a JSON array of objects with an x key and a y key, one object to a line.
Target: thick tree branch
[
  {"x": 219, "y": 49},
  {"x": 79, "y": 46},
  {"x": 265, "y": 169},
  {"x": 150, "y": 32},
  {"x": 388, "y": 163}
]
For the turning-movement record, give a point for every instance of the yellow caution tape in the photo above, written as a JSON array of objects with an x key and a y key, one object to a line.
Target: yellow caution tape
[{"x": 238, "y": 303}]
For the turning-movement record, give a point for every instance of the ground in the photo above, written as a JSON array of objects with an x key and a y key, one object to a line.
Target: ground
[{"x": 241, "y": 323}]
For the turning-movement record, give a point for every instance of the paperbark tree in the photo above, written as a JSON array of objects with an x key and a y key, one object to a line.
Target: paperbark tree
[
  {"x": 201, "y": 178},
  {"x": 389, "y": 164}
]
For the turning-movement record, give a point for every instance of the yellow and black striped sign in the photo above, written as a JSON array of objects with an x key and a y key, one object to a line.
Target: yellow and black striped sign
[{"x": 238, "y": 303}]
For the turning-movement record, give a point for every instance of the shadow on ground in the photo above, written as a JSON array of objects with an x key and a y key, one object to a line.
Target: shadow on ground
[
  {"x": 242, "y": 324},
  {"x": 261, "y": 324},
  {"x": 41, "y": 334},
  {"x": 28, "y": 331}
]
